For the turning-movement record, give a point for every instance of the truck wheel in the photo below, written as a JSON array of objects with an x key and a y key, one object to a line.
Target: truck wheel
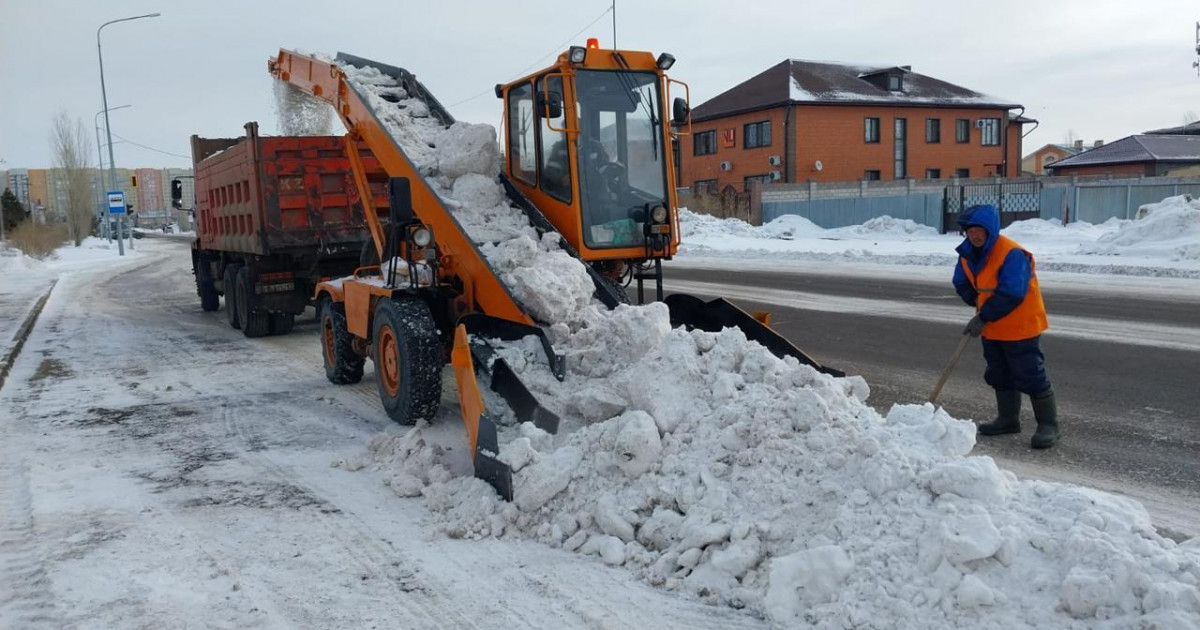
[
  {"x": 209, "y": 300},
  {"x": 342, "y": 364},
  {"x": 231, "y": 308},
  {"x": 408, "y": 359},
  {"x": 282, "y": 323},
  {"x": 255, "y": 321}
]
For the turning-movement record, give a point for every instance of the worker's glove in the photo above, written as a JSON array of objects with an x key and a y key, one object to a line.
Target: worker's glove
[{"x": 974, "y": 327}]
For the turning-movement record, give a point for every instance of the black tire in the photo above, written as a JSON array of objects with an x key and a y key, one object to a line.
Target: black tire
[
  {"x": 282, "y": 323},
  {"x": 255, "y": 321},
  {"x": 343, "y": 365},
  {"x": 231, "y": 308},
  {"x": 408, "y": 359}
]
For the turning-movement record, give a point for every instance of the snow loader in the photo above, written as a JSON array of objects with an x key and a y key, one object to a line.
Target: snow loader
[{"x": 587, "y": 146}]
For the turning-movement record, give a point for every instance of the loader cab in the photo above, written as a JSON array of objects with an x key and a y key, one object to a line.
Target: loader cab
[{"x": 589, "y": 142}]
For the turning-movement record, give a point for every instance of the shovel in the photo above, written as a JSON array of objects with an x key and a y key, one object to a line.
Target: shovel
[{"x": 962, "y": 345}]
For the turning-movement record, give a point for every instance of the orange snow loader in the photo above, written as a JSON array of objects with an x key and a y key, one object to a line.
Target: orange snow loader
[{"x": 587, "y": 148}]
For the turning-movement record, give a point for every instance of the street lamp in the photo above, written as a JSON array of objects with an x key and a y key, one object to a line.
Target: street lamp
[
  {"x": 112, "y": 172},
  {"x": 100, "y": 167}
]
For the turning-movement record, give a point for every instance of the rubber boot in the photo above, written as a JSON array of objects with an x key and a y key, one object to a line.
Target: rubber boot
[
  {"x": 1045, "y": 410},
  {"x": 1008, "y": 420}
]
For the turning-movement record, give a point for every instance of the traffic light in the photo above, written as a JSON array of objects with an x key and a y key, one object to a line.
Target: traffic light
[{"x": 177, "y": 194}]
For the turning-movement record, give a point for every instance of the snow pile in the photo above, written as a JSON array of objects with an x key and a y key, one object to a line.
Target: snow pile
[
  {"x": 888, "y": 225},
  {"x": 1170, "y": 227},
  {"x": 704, "y": 464},
  {"x": 696, "y": 225},
  {"x": 708, "y": 466},
  {"x": 460, "y": 164}
]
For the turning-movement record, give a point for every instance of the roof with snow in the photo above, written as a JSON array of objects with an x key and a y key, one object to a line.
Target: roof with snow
[
  {"x": 795, "y": 81},
  {"x": 1190, "y": 129},
  {"x": 1139, "y": 148}
]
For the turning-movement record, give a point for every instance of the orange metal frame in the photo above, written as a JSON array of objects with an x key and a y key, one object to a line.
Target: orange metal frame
[{"x": 460, "y": 258}]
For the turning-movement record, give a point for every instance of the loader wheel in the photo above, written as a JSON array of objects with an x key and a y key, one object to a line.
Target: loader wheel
[
  {"x": 408, "y": 359},
  {"x": 342, "y": 364},
  {"x": 282, "y": 323},
  {"x": 231, "y": 309},
  {"x": 255, "y": 322}
]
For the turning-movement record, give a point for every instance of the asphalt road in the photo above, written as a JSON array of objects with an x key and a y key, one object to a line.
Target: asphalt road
[{"x": 1124, "y": 362}]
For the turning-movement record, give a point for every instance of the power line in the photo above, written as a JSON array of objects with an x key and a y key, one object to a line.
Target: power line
[
  {"x": 555, "y": 51},
  {"x": 186, "y": 157}
]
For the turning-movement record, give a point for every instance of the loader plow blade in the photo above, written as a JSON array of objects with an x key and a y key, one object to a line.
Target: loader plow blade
[
  {"x": 714, "y": 315},
  {"x": 481, "y": 430}
]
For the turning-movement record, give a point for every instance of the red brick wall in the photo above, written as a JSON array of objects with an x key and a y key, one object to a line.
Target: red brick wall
[
  {"x": 833, "y": 134},
  {"x": 1142, "y": 168}
]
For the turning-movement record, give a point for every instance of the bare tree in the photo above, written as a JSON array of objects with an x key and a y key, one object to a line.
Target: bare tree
[
  {"x": 71, "y": 146},
  {"x": 1190, "y": 117},
  {"x": 1070, "y": 138}
]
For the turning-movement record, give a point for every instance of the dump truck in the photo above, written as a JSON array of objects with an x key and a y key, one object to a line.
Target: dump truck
[
  {"x": 587, "y": 160},
  {"x": 274, "y": 217}
]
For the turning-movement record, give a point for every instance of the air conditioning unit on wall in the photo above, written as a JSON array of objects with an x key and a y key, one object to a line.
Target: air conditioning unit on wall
[
  {"x": 775, "y": 176},
  {"x": 979, "y": 123},
  {"x": 726, "y": 166},
  {"x": 774, "y": 160}
]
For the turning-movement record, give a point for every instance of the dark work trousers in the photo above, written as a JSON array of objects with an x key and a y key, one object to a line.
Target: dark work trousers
[{"x": 1016, "y": 365}]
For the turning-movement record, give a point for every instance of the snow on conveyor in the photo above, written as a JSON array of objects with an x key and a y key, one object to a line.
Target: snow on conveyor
[{"x": 705, "y": 465}]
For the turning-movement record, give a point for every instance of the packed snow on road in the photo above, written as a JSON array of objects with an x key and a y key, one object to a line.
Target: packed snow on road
[{"x": 159, "y": 470}]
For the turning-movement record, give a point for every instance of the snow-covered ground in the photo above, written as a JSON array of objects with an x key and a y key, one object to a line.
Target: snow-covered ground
[{"x": 1164, "y": 242}]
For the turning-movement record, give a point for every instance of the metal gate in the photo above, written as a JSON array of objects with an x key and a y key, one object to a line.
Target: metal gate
[{"x": 1016, "y": 201}]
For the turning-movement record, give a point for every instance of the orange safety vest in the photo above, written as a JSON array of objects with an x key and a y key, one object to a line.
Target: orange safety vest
[{"x": 1025, "y": 321}]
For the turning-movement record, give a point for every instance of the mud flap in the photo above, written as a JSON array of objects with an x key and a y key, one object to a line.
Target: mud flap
[
  {"x": 712, "y": 316},
  {"x": 481, "y": 430}
]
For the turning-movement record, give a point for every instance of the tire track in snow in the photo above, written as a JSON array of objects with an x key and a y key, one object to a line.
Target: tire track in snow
[
  {"x": 26, "y": 600},
  {"x": 421, "y": 602}
]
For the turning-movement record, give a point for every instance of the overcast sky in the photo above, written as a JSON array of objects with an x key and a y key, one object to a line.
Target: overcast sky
[{"x": 1104, "y": 69}]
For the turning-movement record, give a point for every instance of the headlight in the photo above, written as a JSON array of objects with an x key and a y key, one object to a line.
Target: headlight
[
  {"x": 422, "y": 237},
  {"x": 658, "y": 214},
  {"x": 577, "y": 54}
]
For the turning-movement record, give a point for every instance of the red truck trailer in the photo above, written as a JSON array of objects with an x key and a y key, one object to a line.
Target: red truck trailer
[{"x": 275, "y": 216}]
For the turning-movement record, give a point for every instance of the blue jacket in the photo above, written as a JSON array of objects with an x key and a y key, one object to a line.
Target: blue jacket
[{"x": 1013, "y": 281}]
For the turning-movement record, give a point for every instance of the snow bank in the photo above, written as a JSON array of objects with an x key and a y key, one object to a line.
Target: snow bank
[
  {"x": 705, "y": 465},
  {"x": 1169, "y": 228}
]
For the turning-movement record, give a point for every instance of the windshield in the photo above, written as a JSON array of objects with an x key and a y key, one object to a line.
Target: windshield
[{"x": 621, "y": 157}]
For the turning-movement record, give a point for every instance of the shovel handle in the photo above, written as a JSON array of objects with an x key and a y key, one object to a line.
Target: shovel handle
[{"x": 962, "y": 345}]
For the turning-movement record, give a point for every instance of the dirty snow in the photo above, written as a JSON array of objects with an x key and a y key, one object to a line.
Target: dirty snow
[{"x": 722, "y": 472}]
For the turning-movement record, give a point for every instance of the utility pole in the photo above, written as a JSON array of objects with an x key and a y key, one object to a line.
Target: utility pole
[{"x": 112, "y": 169}]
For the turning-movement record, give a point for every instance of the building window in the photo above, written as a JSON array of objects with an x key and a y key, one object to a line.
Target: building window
[
  {"x": 705, "y": 186},
  {"x": 933, "y": 130},
  {"x": 901, "y": 149},
  {"x": 989, "y": 132},
  {"x": 871, "y": 176},
  {"x": 704, "y": 143},
  {"x": 895, "y": 83},
  {"x": 765, "y": 179},
  {"x": 933, "y": 173},
  {"x": 962, "y": 130},
  {"x": 757, "y": 135},
  {"x": 962, "y": 172},
  {"x": 871, "y": 130}
]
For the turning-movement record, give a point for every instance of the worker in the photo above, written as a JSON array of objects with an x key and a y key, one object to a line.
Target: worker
[{"x": 997, "y": 276}]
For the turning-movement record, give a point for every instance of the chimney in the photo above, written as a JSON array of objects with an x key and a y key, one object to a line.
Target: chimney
[
  {"x": 1079, "y": 145},
  {"x": 1098, "y": 144}
]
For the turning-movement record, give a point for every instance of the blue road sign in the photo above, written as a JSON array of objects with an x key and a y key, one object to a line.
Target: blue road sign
[{"x": 116, "y": 202}]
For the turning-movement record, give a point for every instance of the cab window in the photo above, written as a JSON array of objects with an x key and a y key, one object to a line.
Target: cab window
[
  {"x": 522, "y": 149},
  {"x": 555, "y": 162}
]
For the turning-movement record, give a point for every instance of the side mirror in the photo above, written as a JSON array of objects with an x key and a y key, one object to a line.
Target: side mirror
[
  {"x": 400, "y": 210},
  {"x": 680, "y": 111},
  {"x": 550, "y": 104}
]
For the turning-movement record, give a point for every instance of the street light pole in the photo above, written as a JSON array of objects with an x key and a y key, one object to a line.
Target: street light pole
[
  {"x": 112, "y": 170},
  {"x": 100, "y": 171}
]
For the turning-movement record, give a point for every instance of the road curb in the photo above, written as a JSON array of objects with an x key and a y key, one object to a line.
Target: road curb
[{"x": 23, "y": 332}]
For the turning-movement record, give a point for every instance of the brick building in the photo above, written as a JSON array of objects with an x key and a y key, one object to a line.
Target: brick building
[
  {"x": 1141, "y": 155},
  {"x": 1038, "y": 162},
  {"x": 803, "y": 120}
]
